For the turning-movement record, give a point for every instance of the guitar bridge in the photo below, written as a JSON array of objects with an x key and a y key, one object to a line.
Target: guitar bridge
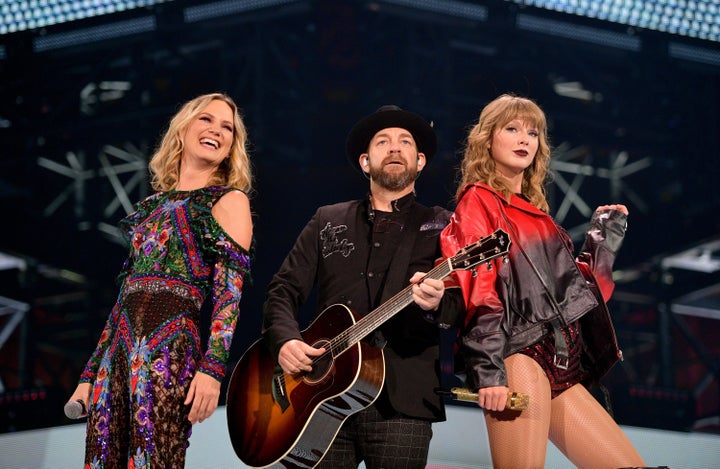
[{"x": 278, "y": 390}]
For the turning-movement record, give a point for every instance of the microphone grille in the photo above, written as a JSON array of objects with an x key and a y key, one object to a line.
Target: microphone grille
[{"x": 74, "y": 409}]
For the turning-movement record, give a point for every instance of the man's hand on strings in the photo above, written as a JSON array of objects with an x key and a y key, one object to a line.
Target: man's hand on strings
[{"x": 296, "y": 356}]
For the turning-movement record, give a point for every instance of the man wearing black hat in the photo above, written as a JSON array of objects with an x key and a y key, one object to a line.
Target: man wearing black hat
[{"x": 360, "y": 254}]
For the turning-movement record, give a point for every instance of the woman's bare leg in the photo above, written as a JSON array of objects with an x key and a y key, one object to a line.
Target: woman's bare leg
[
  {"x": 583, "y": 430},
  {"x": 518, "y": 439}
]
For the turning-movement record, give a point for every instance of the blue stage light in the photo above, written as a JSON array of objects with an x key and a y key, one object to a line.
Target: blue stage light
[
  {"x": 696, "y": 18},
  {"x": 21, "y": 15}
]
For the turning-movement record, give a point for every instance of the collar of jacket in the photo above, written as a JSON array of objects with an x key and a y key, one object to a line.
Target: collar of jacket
[{"x": 515, "y": 201}]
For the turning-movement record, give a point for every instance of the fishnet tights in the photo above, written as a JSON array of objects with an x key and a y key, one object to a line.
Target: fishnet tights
[{"x": 574, "y": 421}]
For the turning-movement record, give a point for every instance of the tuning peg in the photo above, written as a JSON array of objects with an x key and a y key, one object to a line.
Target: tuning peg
[{"x": 505, "y": 260}]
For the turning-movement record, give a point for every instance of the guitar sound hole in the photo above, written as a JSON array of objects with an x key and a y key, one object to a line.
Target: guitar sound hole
[{"x": 323, "y": 364}]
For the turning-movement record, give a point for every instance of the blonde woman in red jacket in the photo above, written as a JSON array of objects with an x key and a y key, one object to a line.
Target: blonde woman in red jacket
[{"x": 538, "y": 323}]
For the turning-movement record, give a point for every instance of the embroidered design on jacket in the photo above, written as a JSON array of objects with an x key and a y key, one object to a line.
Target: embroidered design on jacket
[{"x": 330, "y": 242}]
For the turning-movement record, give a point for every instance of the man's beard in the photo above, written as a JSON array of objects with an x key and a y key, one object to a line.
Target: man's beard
[{"x": 393, "y": 181}]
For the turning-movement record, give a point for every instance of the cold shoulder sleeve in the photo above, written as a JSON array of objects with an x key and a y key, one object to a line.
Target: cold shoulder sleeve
[{"x": 231, "y": 269}]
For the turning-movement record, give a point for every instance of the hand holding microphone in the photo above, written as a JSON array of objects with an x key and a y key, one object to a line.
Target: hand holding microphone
[
  {"x": 515, "y": 400},
  {"x": 75, "y": 409}
]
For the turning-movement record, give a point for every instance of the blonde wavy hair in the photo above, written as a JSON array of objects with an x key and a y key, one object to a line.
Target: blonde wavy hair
[
  {"x": 233, "y": 171},
  {"x": 478, "y": 164}
]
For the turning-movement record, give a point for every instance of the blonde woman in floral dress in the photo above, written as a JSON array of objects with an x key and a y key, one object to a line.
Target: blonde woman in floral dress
[{"x": 150, "y": 377}]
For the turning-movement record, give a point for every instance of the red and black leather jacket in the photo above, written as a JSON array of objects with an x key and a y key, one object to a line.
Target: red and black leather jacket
[{"x": 516, "y": 303}]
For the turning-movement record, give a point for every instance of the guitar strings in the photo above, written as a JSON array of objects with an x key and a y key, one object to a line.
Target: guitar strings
[{"x": 368, "y": 323}]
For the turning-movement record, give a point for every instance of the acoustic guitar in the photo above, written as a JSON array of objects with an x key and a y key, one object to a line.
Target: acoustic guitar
[{"x": 282, "y": 420}]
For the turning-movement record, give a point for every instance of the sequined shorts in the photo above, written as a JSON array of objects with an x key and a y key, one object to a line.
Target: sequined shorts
[{"x": 543, "y": 352}]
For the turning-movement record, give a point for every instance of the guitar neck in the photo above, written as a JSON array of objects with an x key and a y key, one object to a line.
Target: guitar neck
[
  {"x": 378, "y": 316},
  {"x": 482, "y": 251}
]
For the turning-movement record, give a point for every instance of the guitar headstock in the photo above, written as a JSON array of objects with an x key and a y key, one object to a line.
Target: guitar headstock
[{"x": 486, "y": 249}]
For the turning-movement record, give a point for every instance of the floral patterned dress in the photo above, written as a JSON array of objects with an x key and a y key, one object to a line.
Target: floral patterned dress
[{"x": 150, "y": 348}]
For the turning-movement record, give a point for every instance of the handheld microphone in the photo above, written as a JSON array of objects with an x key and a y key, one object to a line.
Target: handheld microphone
[
  {"x": 75, "y": 409},
  {"x": 515, "y": 400}
]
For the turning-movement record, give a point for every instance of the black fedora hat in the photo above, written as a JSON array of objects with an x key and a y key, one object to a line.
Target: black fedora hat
[{"x": 385, "y": 117}]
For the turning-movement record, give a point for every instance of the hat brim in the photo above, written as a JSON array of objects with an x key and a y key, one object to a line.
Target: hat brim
[{"x": 365, "y": 129}]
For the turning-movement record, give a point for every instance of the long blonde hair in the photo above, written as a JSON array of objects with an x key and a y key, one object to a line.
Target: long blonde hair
[
  {"x": 479, "y": 166},
  {"x": 234, "y": 171}
]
